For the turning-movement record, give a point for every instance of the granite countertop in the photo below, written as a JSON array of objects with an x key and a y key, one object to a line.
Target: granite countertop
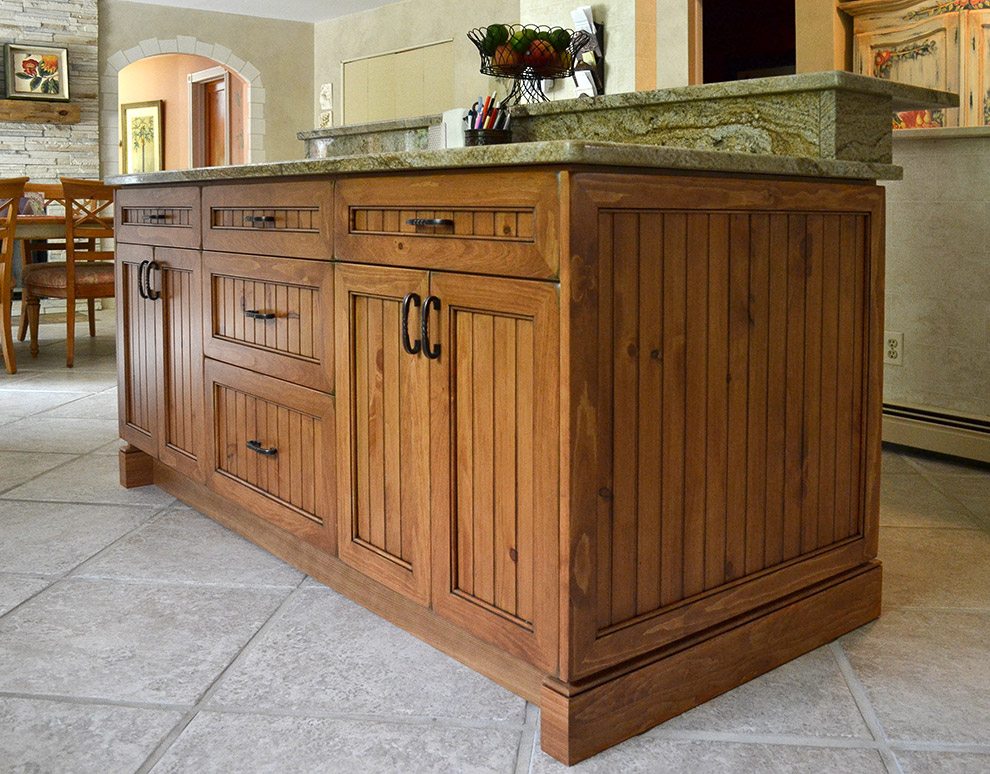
[{"x": 555, "y": 152}]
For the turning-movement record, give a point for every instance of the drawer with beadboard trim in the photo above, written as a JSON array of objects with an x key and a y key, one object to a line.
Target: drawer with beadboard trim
[{"x": 167, "y": 217}]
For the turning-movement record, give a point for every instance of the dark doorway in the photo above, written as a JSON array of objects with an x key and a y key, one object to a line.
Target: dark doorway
[{"x": 747, "y": 39}]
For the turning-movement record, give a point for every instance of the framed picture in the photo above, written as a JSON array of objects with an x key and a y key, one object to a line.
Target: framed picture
[
  {"x": 142, "y": 137},
  {"x": 36, "y": 72}
]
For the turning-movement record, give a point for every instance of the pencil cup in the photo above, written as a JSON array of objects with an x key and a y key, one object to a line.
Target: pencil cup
[{"x": 487, "y": 136}]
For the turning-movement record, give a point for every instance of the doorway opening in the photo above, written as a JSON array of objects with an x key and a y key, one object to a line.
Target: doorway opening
[
  {"x": 216, "y": 118},
  {"x": 740, "y": 41}
]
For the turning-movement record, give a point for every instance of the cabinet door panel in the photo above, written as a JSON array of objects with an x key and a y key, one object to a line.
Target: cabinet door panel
[
  {"x": 138, "y": 353},
  {"x": 495, "y": 471},
  {"x": 182, "y": 422},
  {"x": 383, "y": 431},
  {"x": 978, "y": 69}
]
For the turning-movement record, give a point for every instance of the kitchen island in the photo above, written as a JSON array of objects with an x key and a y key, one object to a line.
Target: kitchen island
[{"x": 600, "y": 420}]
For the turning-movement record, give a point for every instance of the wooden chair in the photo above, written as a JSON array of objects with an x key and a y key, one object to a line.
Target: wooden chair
[
  {"x": 86, "y": 272},
  {"x": 11, "y": 191},
  {"x": 51, "y": 193}
]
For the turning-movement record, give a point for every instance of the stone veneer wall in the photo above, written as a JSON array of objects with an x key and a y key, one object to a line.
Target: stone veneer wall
[{"x": 44, "y": 152}]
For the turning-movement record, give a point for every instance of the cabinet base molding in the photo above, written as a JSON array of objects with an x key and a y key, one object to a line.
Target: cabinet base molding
[
  {"x": 580, "y": 720},
  {"x": 508, "y": 671},
  {"x": 136, "y": 467}
]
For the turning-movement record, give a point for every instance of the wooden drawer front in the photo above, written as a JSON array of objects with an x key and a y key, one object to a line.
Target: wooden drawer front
[
  {"x": 297, "y": 343},
  {"x": 291, "y": 219},
  {"x": 159, "y": 216},
  {"x": 496, "y": 223},
  {"x": 292, "y": 485}
]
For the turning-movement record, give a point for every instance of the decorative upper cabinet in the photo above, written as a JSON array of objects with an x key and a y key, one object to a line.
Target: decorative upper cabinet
[{"x": 939, "y": 44}]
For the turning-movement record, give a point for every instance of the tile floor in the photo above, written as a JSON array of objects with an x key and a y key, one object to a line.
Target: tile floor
[{"x": 137, "y": 635}]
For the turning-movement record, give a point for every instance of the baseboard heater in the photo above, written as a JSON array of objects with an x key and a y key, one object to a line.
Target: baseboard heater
[{"x": 938, "y": 431}]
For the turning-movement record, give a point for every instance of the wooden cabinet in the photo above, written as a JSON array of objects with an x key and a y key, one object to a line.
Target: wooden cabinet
[
  {"x": 167, "y": 217},
  {"x": 609, "y": 437},
  {"x": 927, "y": 43},
  {"x": 160, "y": 359},
  {"x": 440, "y": 449}
]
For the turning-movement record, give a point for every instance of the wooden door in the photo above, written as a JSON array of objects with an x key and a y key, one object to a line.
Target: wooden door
[
  {"x": 495, "y": 452},
  {"x": 383, "y": 434},
  {"x": 182, "y": 437},
  {"x": 137, "y": 357},
  {"x": 977, "y": 93},
  {"x": 925, "y": 54},
  {"x": 215, "y": 122}
]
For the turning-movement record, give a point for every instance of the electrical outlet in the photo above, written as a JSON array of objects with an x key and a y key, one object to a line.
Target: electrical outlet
[{"x": 893, "y": 348}]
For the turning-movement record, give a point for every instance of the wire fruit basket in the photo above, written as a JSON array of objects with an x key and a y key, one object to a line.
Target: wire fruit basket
[{"x": 528, "y": 54}]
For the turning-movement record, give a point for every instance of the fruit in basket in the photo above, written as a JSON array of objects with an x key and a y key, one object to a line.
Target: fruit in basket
[
  {"x": 506, "y": 60},
  {"x": 563, "y": 60},
  {"x": 559, "y": 39},
  {"x": 519, "y": 42},
  {"x": 540, "y": 55},
  {"x": 497, "y": 33}
]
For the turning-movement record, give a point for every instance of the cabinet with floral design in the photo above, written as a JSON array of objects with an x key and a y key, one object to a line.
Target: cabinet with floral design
[{"x": 939, "y": 44}]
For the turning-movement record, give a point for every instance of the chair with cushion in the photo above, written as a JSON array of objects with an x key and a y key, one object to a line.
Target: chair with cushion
[
  {"x": 11, "y": 191},
  {"x": 86, "y": 272}
]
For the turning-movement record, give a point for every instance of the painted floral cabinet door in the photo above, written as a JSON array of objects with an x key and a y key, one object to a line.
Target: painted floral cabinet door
[
  {"x": 922, "y": 52},
  {"x": 978, "y": 68}
]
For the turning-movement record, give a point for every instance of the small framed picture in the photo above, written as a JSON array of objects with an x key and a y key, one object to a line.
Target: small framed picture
[
  {"x": 36, "y": 72},
  {"x": 142, "y": 137}
]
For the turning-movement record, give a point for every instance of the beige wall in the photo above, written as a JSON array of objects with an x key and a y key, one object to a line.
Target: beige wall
[
  {"x": 403, "y": 25},
  {"x": 823, "y": 36},
  {"x": 280, "y": 51}
]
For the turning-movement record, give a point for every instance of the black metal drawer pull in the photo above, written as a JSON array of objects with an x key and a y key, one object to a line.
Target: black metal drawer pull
[
  {"x": 431, "y": 352},
  {"x": 259, "y": 218},
  {"x": 141, "y": 268},
  {"x": 151, "y": 295},
  {"x": 254, "y": 314},
  {"x": 256, "y": 446},
  {"x": 429, "y": 222},
  {"x": 155, "y": 218},
  {"x": 410, "y": 299}
]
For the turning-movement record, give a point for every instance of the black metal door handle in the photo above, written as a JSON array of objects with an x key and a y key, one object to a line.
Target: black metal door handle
[
  {"x": 429, "y": 222},
  {"x": 410, "y": 299},
  {"x": 432, "y": 352},
  {"x": 151, "y": 295},
  {"x": 254, "y": 314},
  {"x": 141, "y": 268},
  {"x": 259, "y": 218},
  {"x": 256, "y": 446}
]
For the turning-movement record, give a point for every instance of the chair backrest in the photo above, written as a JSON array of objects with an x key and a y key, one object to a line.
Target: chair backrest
[
  {"x": 11, "y": 191},
  {"x": 50, "y": 192},
  {"x": 88, "y": 215}
]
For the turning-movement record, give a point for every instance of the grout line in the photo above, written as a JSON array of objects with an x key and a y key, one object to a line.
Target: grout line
[
  {"x": 957, "y": 747},
  {"x": 169, "y": 739},
  {"x": 932, "y": 479},
  {"x": 783, "y": 740},
  {"x": 527, "y": 743},
  {"x": 858, "y": 691},
  {"x": 72, "y": 458},
  {"x": 181, "y": 583},
  {"x": 101, "y": 701}
]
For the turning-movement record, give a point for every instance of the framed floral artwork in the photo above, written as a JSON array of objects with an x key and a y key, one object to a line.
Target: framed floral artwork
[
  {"x": 36, "y": 72},
  {"x": 142, "y": 137}
]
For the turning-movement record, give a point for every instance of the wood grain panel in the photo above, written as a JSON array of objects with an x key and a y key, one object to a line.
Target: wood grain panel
[
  {"x": 164, "y": 217},
  {"x": 292, "y": 486},
  {"x": 297, "y": 344},
  {"x": 493, "y": 411},
  {"x": 137, "y": 353},
  {"x": 757, "y": 319},
  {"x": 383, "y": 435}
]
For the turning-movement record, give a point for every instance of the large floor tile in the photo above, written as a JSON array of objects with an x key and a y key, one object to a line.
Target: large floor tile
[
  {"x": 894, "y": 462},
  {"x": 16, "y": 404},
  {"x": 52, "y": 538},
  {"x": 102, "y": 405},
  {"x": 184, "y": 546},
  {"x": 926, "y": 674},
  {"x": 161, "y": 643},
  {"x": 650, "y": 753},
  {"x": 972, "y": 491},
  {"x": 94, "y": 478},
  {"x": 913, "y": 762},
  {"x": 347, "y": 660},
  {"x": 226, "y": 743},
  {"x": 44, "y": 737},
  {"x": 908, "y": 500},
  {"x": 18, "y": 467},
  {"x": 805, "y": 697},
  {"x": 64, "y": 380},
  {"x": 49, "y": 434},
  {"x": 954, "y": 573},
  {"x": 15, "y": 588}
]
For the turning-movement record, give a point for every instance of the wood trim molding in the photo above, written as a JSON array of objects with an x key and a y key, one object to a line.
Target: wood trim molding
[{"x": 39, "y": 112}]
